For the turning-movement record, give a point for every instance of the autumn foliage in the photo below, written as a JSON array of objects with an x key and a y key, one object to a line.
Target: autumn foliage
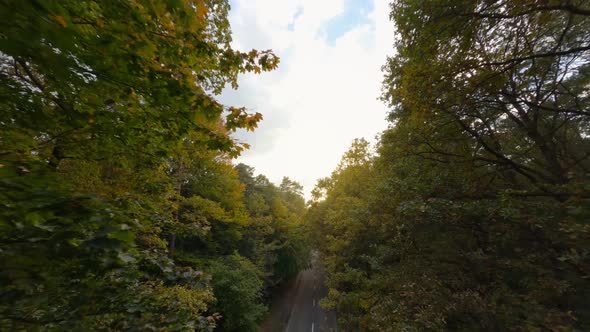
[
  {"x": 471, "y": 213},
  {"x": 119, "y": 206}
]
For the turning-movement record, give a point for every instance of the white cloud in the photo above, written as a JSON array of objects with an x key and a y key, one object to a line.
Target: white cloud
[{"x": 323, "y": 95}]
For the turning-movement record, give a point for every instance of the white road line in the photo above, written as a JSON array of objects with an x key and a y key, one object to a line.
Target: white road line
[{"x": 311, "y": 327}]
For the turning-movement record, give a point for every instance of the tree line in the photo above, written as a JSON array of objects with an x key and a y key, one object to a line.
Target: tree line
[
  {"x": 120, "y": 207},
  {"x": 471, "y": 212}
]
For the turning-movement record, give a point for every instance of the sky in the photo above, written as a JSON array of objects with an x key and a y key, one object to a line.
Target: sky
[{"x": 324, "y": 93}]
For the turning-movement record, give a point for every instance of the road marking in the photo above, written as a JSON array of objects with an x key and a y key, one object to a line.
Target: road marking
[
  {"x": 311, "y": 327},
  {"x": 314, "y": 302}
]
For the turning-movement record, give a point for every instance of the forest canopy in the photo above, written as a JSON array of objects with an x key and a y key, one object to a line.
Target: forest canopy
[
  {"x": 471, "y": 212},
  {"x": 120, "y": 206}
]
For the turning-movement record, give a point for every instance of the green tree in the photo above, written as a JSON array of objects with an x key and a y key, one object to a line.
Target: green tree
[
  {"x": 472, "y": 215},
  {"x": 509, "y": 75},
  {"x": 110, "y": 132},
  {"x": 275, "y": 240},
  {"x": 238, "y": 288}
]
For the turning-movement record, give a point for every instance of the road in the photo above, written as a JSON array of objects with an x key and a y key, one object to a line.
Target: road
[{"x": 297, "y": 308}]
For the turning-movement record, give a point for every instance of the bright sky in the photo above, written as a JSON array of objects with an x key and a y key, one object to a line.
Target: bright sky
[{"x": 324, "y": 93}]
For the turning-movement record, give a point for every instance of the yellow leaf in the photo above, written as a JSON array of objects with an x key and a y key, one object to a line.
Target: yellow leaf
[
  {"x": 60, "y": 20},
  {"x": 202, "y": 11}
]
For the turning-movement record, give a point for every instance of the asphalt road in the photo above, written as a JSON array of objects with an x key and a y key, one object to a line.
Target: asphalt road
[
  {"x": 297, "y": 308},
  {"x": 306, "y": 313}
]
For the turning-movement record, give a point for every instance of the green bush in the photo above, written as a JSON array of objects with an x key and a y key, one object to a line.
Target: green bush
[{"x": 238, "y": 288}]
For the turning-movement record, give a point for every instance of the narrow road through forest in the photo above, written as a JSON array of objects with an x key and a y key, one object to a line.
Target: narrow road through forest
[{"x": 297, "y": 308}]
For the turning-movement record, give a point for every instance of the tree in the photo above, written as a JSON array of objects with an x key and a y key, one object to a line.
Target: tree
[
  {"x": 343, "y": 232},
  {"x": 99, "y": 81},
  {"x": 292, "y": 194},
  {"x": 276, "y": 239},
  {"x": 472, "y": 214},
  {"x": 109, "y": 120},
  {"x": 509, "y": 75},
  {"x": 238, "y": 287}
]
